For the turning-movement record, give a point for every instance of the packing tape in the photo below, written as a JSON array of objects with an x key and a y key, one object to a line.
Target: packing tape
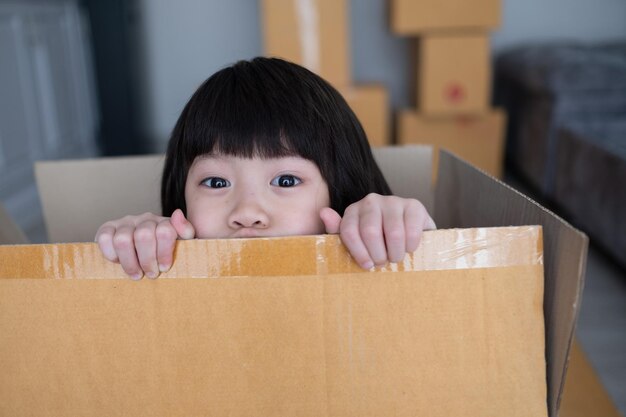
[{"x": 284, "y": 256}]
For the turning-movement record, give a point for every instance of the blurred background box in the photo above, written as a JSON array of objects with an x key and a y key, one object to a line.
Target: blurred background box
[
  {"x": 315, "y": 34},
  {"x": 312, "y": 33},
  {"x": 453, "y": 73},
  {"x": 410, "y": 17},
  {"x": 477, "y": 139},
  {"x": 370, "y": 103}
]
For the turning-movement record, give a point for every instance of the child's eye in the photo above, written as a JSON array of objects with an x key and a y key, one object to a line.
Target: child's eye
[
  {"x": 215, "y": 182},
  {"x": 286, "y": 181}
]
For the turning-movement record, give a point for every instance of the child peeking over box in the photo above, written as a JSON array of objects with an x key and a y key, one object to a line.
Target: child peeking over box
[{"x": 267, "y": 148}]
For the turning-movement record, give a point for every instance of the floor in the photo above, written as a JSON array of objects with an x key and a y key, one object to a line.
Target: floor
[{"x": 601, "y": 329}]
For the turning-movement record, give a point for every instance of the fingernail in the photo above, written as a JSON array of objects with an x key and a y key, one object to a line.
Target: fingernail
[
  {"x": 164, "y": 268},
  {"x": 136, "y": 277},
  {"x": 367, "y": 265},
  {"x": 152, "y": 275}
]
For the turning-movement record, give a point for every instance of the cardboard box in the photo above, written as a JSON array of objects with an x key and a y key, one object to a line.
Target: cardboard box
[
  {"x": 311, "y": 33},
  {"x": 411, "y": 17},
  {"x": 478, "y": 139},
  {"x": 453, "y": 73},
  {"x": 328, "y": 339},
  {"x": 282, "y": 326},
  {"x": 370, "y": 103}
]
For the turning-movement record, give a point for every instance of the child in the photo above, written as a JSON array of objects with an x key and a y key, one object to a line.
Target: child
[{"x": 267, "y": 148}]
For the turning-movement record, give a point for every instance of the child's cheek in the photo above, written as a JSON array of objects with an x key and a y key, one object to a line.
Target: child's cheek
[
  {"x": 322, "y": 196},
  {"x": 193, "y": 216},
  {"x": 322, "y": 200}
]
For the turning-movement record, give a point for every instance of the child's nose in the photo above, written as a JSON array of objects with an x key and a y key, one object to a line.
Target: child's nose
[{"x": 248, "y": 213}]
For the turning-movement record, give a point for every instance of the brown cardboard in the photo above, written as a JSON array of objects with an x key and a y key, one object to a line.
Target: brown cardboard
[
  {"x": 10, "y": 232},
  {"x": 465, "y": 196},
  {"x": 410, "y": 17},
  {"x": 454, "y": 73},
  {"x": 583, "y": 394},
  {"x": 370, "y": 103},
  {"x": 478, "y": 139},
  {"x": 283, "y": 326},
  {"x": 311, "y": 33}
]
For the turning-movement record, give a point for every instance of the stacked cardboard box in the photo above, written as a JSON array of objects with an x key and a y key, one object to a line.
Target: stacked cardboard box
[
  {"x": 453, "y": 78},
  {"x": 315, "y": 34}
]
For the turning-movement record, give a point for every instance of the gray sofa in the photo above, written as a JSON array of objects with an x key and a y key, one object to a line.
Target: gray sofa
[
  {"x": 590, "y": 181},
  {"x": 567, "y": 131}
]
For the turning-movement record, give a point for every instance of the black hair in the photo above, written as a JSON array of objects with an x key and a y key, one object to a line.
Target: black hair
[{"x": 268, "y": 107}]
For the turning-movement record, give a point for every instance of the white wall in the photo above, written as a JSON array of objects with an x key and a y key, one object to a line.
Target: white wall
[{"x": 182, "y": 42}]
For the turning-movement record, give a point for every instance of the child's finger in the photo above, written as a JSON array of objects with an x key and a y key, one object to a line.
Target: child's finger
[
  {"x": 371, "y": 231},
  {"x": 393, "y": 227},
  {"x": 351, "y": 237},
  {"x": 184, "y": 229},
  {"x": 413, "y": 223},
  {"x": 124, "y": 244},
  {"x": 430, "y": 223},
  {"x": 146, "y": 248},
  {"x": 331, "y": 220},
  {"x": 166, "y": 242},
  {"x": 104, "y": 237}
]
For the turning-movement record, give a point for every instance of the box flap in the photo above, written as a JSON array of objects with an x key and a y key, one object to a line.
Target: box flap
[
  {"x": 408, "y": 171},
  {"x": 282, "y": 326},
  {"x": 78, "y": 196},
  {"x": 10, "y": 232},
  {"x": 467, "y": 197}
]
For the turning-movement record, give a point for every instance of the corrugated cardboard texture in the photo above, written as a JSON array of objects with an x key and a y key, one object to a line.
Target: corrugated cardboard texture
[
  {"x": 465, "y": 196},
  {"x": 111, "y": 188},
  {"x": 454, "y": 74},
  {"x": 10, "y": 232},
  {"x": 411, "y": 17},
  {"x": 478, "y": 139},
  {"x": 311, "y": 33},
  {"x": 370, "y": 103},
  {"x": 264, "y": 341}
]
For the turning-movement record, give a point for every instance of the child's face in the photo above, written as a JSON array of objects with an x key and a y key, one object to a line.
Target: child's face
[{"x": 229, "y": 196}]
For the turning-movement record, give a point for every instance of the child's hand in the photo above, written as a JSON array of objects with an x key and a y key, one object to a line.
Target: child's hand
[
  {"x": 378, "y": 229},
  {"x": 144, "y": 243}
]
